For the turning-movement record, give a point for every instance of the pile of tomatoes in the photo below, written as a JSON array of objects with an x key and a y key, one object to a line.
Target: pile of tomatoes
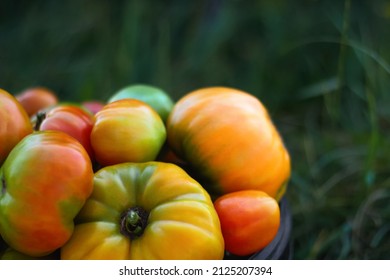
[{"x": 139, "y": 176}]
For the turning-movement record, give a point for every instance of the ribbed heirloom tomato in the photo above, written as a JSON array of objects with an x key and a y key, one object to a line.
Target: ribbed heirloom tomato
[
  {"x": 14, "y": 123},
  {"x": 249, "y": 219},
  {"x": 44, "y": 182},
  {"x": 150, "y": 210},
  {"x": 228, "y": 137},
  {"x": 70, "y": 119}
]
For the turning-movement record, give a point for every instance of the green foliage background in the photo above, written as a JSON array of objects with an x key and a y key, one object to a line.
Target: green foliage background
[{"x": 321, "y": 68}]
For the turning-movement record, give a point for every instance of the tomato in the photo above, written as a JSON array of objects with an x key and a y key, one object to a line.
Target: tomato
[
  {"x": 93, "y": 106},
  {"x": 155, "y": 97},
  {"x": 250, "y": 220},
  {"x": 70, "y": 119},
  {"x": 228, "y": 137},
  {"x": 11, "y": 254},
  {"x": 14, "y": 123},
  {"x": 127, "y": 130},
  {"x": 45, "y": 181},
  {"x": 149, "y": 210},
  {"x": 35, "y": 99}
]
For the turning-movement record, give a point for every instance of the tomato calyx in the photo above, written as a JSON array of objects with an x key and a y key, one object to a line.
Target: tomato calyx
[
  {"x": 133, "y": 222},
  {"x": 40, "y": 117}
]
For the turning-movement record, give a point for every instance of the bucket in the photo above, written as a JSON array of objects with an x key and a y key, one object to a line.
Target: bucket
[{"x": 280, "y": 247}]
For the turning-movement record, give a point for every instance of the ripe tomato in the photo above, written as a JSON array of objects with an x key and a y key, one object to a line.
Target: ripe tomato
[
  {"x": 36, "y": 98},
  {"x": 44, "y": 182},
  {"x": 14, "y": 123},
  {"x": 127, "y": 130},
  {"x": 249, "y": 219},
  {"x": 150, "y": 210},
  {"x": 93, "y": 106},
  {"x": 228, "y": 137},
  {"x": 70, "y": 119}
]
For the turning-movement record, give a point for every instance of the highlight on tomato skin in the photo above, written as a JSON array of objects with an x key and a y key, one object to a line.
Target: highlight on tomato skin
[{"x": 250, "y": 220}]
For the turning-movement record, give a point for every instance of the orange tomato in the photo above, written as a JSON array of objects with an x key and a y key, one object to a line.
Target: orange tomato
[
  {"x": 249, "y": 219},
  {"x": 14, "y": 123},
  {"x": 228, "y": 137}
]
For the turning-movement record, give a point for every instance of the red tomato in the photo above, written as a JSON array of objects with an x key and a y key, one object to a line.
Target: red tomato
[
  {"x": 36, "y": 98},
  {"x": 45, "y": 181},
  {"x": 249, "y": 219},
  {"x": 14, "y": 123},
  {"x": 70, "y": 119},
  {"x": 93, "y": 106}
]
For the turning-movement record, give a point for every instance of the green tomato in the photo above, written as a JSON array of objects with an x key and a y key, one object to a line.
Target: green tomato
[{"x": 155, "y": 97}]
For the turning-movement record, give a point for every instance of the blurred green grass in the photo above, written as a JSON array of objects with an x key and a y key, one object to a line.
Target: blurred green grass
[{"x": 321, "y": 68}]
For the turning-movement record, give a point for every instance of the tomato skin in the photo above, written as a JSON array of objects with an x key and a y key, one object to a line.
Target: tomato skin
[
  {"x": 72, "y": 120},
  {"x": 93, "y": 106},
  {"x": 228, "y": 137},
  {"x": 249, "y": 219},
  {"x": 155, "y": 97},
  {"x": 35, "y": 99},
  {"x": 11, "y": 254},
  {"x": 14, "y": 123},
  {"x": 44, "y": 183},
  {"x": 127, "y": 130},
  {"x": 181, "y": 224}
]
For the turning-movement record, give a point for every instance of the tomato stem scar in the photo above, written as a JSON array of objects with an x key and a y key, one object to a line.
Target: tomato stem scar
[
  {"x": 41, "y": 115},
  {"x": 133, "y": 222}
]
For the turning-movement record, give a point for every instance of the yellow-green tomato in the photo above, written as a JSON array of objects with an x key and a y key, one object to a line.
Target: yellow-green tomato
[
  {"x": 149, "y": 210},
  {"x": 127, "y": 130}
]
